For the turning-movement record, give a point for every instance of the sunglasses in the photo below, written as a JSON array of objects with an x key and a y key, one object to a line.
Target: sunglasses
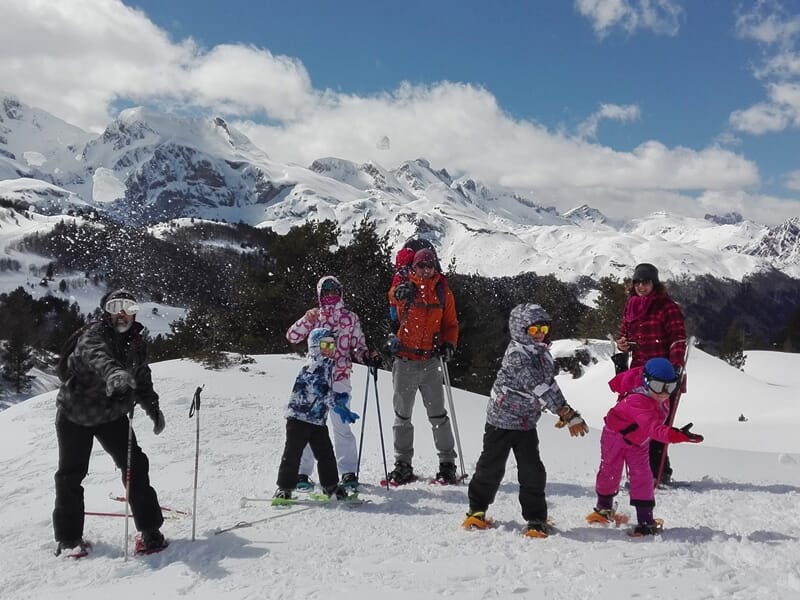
[
  {"x": 534, "y": 329},
  {"x": 330, "y": 292},
  {"x": 424, "y": 265},
  {"x": 641, "y": 281},
  {"x": 662, "y": 387},
  {"x": 122, "y": 305},
  {"x": 327, "y": 345}
]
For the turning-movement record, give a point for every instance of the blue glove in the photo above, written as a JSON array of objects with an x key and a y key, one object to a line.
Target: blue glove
[
  {"x": 392, "y": 344},
  {"x": 347, "y": 416}
]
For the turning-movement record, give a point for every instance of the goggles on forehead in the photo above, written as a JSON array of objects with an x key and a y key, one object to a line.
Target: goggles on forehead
[
  {"x": 661, "y": 387},
  {"x": 122, "y": 305},
  {"x": 327, "y": 344},
  {"x": 534, "y": 329}
]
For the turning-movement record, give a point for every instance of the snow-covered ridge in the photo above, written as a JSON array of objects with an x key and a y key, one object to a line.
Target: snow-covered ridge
[{"x": 151, "y": 167}]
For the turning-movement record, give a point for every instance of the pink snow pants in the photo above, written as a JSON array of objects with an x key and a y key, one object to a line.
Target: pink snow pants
[{"x": 615, "y": 452}]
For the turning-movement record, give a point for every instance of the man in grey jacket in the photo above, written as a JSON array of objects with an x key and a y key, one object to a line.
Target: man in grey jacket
[{"x": 107, "y": 374}]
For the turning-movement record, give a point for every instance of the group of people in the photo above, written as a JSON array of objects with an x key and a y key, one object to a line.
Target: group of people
[{"x": 107, "y": 374}]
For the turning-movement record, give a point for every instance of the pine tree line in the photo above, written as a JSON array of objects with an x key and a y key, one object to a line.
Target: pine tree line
[{"x": 245, "y": 286}]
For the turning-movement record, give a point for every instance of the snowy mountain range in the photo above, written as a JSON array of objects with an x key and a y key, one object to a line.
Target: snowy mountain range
[{"x": 151, "y": 168}]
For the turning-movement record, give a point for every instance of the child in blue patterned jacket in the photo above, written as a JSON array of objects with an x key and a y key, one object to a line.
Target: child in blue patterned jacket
[
  {"x": 525, "y": 385},
  {"x": 312, "y": 395}
]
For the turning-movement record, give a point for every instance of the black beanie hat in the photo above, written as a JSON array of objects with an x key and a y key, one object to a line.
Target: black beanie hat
[{"x": 645, "y": 272}]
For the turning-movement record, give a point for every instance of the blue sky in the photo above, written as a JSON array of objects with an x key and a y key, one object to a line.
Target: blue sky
[{"x": 689, "y": 106}]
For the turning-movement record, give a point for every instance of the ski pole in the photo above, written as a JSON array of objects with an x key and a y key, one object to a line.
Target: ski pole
[
  {"x": 673, "y": 408},
  {"x": 453, "y": 413},
  {"x": 374, "y": 372},
  {"x": 195, "y": 408},
  {"x": 363, "y": 422},
  {"x": 128, "y": 477}
]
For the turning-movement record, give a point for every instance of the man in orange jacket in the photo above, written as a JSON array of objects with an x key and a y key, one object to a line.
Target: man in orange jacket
[{"x": 428, "y": 330}]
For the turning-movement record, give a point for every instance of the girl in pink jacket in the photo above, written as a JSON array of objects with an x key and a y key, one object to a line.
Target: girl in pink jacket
[{"x": 635, "y": 419}]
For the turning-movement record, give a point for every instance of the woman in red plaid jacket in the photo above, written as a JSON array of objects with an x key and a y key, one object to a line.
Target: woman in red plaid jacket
[{"x": 652, "y": 326}]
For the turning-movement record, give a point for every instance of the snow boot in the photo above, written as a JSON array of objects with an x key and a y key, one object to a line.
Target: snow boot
[
  {"x": 304, "y": 483},
  {"x": 282, "y": 494},
  {"x": 606, "y": 516},
  {"x": 349, "y": 482},
  {"x": 537, "y": 528},
  {"x": 79, "y": 548},
  {"x": 336, "y": 491},
  {"x": 149, "y": 542},
  {"x": 476, "y": 519},
  {"x": 644, "y": 529},
  {"x": 403, "y": 473},
  {"x": 447, "y": 474}
]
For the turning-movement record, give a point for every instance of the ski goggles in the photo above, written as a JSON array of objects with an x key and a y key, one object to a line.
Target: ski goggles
[
  {"x": 662, "y": 387},
  {"x": 534, "y": 329},
  {"x": 122, "y": 305},
  {"x": 327, "y": 344},
  {"x": 424, "y": 265}
]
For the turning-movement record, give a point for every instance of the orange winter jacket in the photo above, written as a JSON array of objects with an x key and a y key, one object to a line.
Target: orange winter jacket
[{"x": 428, "y": 320}]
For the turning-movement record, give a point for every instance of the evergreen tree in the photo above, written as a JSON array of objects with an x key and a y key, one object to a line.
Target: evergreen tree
[
  {"x": 731, "y": 349},
  {"x": 604, "y": 318}
]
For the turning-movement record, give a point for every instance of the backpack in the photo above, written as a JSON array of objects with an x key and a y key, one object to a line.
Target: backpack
[{"x": 62, "y": 369}]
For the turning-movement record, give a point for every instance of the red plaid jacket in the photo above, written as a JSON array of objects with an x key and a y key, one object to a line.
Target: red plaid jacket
[{"x": 659, "y": 333}]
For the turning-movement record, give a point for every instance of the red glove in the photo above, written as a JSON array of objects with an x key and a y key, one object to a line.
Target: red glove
[{"x": 684, "y": 434}]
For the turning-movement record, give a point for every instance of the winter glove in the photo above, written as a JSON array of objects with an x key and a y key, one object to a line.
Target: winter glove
[
  {"x": 158, "y": 422},
  {"x": 120, "y": 382},
  {"x": 312, "y": 314},
  {"x": 347, "y": 416},
  {"x": 405, "y": 291},
  {"x": 684, "y": 434},
  {"x": 374, "y": 360},
  {"x": 446, "y": 351},
  {"x": 571, "y": 419},
  {"x": 392, "y": 344}
]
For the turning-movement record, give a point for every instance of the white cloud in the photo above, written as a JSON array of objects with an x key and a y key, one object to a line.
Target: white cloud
[
  {"x": 779, "y": 112},
  {"x": 792, "y": 180},
  {"x": 660, "y": 16},
  {"x": 76, "y": 62},
  {"x": 611, "y": 112},
  {"x": 771, "y": 25}
]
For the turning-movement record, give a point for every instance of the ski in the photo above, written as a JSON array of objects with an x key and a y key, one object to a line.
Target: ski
[
  {"x": 243, "y": 524},
  {"x": 310, "y": 500},
  {"x": 168, "y": 509}
]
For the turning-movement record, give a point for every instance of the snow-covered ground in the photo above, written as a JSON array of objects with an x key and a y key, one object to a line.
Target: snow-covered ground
[{"x": 732, "y": 534}]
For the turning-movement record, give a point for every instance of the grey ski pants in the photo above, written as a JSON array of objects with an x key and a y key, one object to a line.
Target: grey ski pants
[{"x": 409, "y": 376}]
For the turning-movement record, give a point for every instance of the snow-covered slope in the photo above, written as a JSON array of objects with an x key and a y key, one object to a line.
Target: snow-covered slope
[{"x": 733, "y": 534}]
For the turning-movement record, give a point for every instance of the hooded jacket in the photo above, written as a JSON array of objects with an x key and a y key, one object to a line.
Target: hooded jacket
[
  {"x": 346, "y": 328},
  {"x": 312, "y": 393},
  {"x": 525, "y": 383},
  {"x": 428, "y": 320},
  {"x": 100, "y": 351},
  {"x": 636, "y": 416}
]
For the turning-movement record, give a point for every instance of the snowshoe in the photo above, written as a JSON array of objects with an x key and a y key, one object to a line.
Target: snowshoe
[
  {"x": 73, "y": 549},
  {"x": 477, "y": 520},
  {"x": 606, "y": 516},
  {"x": 537, "y": 529},
  {"x": 149, "y": 541},
  {"x": 402, "y": 474},
  {"x": 645, "y": 529},
  {"x": 304, "y": 483}
]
